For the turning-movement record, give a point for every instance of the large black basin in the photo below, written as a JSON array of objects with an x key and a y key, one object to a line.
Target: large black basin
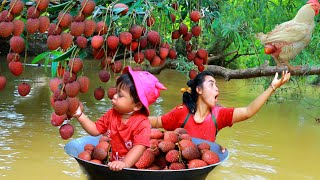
[{"x": 98, "y": 171}]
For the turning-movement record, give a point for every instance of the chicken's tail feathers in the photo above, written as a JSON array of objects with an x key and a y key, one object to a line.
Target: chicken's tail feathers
[{"x": 261, "y": 36}]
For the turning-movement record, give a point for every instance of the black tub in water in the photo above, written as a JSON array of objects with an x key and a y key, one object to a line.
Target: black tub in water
[{"x": 98, "y": 171}]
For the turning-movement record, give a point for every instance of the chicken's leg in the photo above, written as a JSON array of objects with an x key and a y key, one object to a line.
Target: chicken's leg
[{"x": 290, "y": 67}]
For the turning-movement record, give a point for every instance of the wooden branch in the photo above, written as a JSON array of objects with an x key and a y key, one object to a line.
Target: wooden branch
[{"x": 264, "y": 70}]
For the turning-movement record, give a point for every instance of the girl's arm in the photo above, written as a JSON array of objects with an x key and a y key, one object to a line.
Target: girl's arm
[
  {"x": 241, "y": 114},
  {"x": 129, "y": 160},
  {"x": 155, "y": 121},
  {"x": 88, "y": 125}
]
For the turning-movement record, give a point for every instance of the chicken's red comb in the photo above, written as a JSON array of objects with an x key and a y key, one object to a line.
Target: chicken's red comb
[{"x": 313, "y": 2}]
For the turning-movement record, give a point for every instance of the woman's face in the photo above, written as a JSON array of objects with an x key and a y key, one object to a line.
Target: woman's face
[
  {"x": 122, "y": 101},
  {"x": 209, "y": 91}
]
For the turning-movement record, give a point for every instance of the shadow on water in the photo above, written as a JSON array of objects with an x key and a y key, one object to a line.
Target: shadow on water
[{"x": 280, "y": 142}]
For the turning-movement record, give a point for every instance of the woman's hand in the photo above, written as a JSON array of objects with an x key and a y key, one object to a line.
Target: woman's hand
[
  {"x": 276, "y": 83},
  {"x": 78, "y": 113},
  {"x": 117, "y": 165}
]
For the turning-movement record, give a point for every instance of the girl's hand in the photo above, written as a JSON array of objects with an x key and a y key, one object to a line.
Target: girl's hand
[
  {"x": 279, "y": 82},
  {"x": 117, "y": 165}
]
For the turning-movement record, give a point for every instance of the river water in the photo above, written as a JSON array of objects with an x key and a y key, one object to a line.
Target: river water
[{"x": 280, "y": 142}]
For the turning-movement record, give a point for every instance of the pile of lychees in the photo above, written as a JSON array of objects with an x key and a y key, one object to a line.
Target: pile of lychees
[{"x": 169, "y": 150}]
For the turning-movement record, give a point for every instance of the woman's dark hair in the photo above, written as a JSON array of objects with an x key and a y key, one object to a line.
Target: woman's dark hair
[
  {"x": 190, "y": 99},
  {"x": 126, "y": 81}
]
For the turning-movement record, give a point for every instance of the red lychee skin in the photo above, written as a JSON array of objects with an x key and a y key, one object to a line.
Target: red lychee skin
[
  {"x": 210, "y": 157},
  {"x": 54, "y": 84},
  {"x": 172, "y": 156},
  {"x": 54, "y": 42},
  {"x": 191, "y": 56},
  {"x": 196, "y": 31},
  {"x": 64, "y": 19},
  {"x": 150, "y": 21},
  {"x": 156, "y": 134},
  {"x": 81, "y": 42},
  {"x": 192, "y": 74},
  {"x": 195, "y": 16},
  {"x": 99, "y": 93},
  {"x": 66, "y": 40},
  {"x": 153, "y": 37},
  {"x": 112, "y": 42},
  {"x": 136, "y": 31},
  {"x": 53, "y": 30},
  {"x": 16, "y": 68},
  {"x": 125, "y": 38},
  {"x": 166, "y": 146},
  {"x": 101, "y": 28},
  {"x": 143, "y": 42},
  {"x": 66, "y": 131},
  {"x": 75, "y": 64},
  {"x": 163, "y": 53},
  {"x": 32, "y": 12},
  {"x": 104, "y": 75},
  {"x": 77, "y": 28},
  {"x": 17, "y": 44},
  {"x": 187, "y": 36},
  {"x": 156, "y": 61},
  {"x": 177, "y": 166},
  {"x": 18, "y": 27},
  {"x": 97, "y": 41},
  {"x": 134, "y": 46},
  {"x": 84, "y": 82},
  {"x": 32, "y": 25},
  {"x": 196, "y": 163},
  {"x": 72, "y": 88},
  {"x": 202, "y": 53},
  {"x": 149, "y": 54},
  {"x": 145, "y": 160},
  {"x": 170, "y": 136},
  {"x": 183, "y": 29},
  {"x": 89, "y": 27},
  {"x": 172, "y": 54},
  {"x": 175, "y": 34},
  {"x": 60, "y": 107},
  {"x": 116, "y": 67},
  {"x": 57, "y": 120},
  {"x": 13, "y": 57},
  {"x": 4, "y": 16},
  {"x": 3, "y": 82},
  {"x": 111, "y": 92},
  {"x": 88, "y": 7},
  {"x": 24, "y": 89},
  {"x": 122, "y": 6},
  {"x": 16, "y": 6},
  {"x": 85, "y": 155},
  {"x": 138, "y": 57},
  {"x": 43, "y": 4}
]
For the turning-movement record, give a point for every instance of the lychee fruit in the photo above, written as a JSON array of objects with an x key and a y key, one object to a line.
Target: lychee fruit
[
  {"x": 104, "y": 75},
  {"x": 16, "y": 68},
  {"x": 112, "y": 42},
  {"x": 24, "y": 89},
  {"x": 66, "y": 131},
  {"x": 195, "y": 16},
  {"x": 3, "y": 82},
  {"x": 111, "y": 92},
  {"x": 99, "y": 93},
  {"x": 125, "y": 38},
  {"x": 84, "y": 82},
  {"x": 88, "y": 6},
  {"x": 120, "y": 8}
]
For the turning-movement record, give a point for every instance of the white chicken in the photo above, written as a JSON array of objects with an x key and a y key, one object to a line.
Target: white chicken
[{"x": 288, "y": 39}]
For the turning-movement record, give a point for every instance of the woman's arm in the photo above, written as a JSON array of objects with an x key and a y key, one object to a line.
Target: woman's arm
[
  {"x": 241, "y": 114},
  {"x": 129, "y": 160},
  {"x": 155, "y": 121},
  {"x": 88, "y": 125}
]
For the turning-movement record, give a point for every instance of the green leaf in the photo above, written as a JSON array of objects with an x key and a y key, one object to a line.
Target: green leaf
[
  {"x": 65, "y": 55},
  {"x": 40, "y": 57},
  {"x": 59, "y": 7},
  {"x": 54, "y": 67}
]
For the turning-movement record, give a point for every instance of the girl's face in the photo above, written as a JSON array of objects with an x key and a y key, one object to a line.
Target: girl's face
[
  {"x": 209, "y": 91},
  {"x": 123, "y": 102}
]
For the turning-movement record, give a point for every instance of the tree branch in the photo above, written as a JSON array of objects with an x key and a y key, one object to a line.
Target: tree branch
[{"x": 264, "y": 70}]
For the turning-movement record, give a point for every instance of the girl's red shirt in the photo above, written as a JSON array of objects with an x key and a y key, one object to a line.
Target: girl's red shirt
[
  {"x": 124, "y": 136},
  {"x": 205, "y": 130}
]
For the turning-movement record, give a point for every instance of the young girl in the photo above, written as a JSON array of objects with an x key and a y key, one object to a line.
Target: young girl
[
  {"x": 200, "y": 115},
  {"x": 126, "y": 123}
]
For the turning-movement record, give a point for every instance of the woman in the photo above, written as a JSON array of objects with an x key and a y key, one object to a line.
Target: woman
[{"x": 199, "y": 113}]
